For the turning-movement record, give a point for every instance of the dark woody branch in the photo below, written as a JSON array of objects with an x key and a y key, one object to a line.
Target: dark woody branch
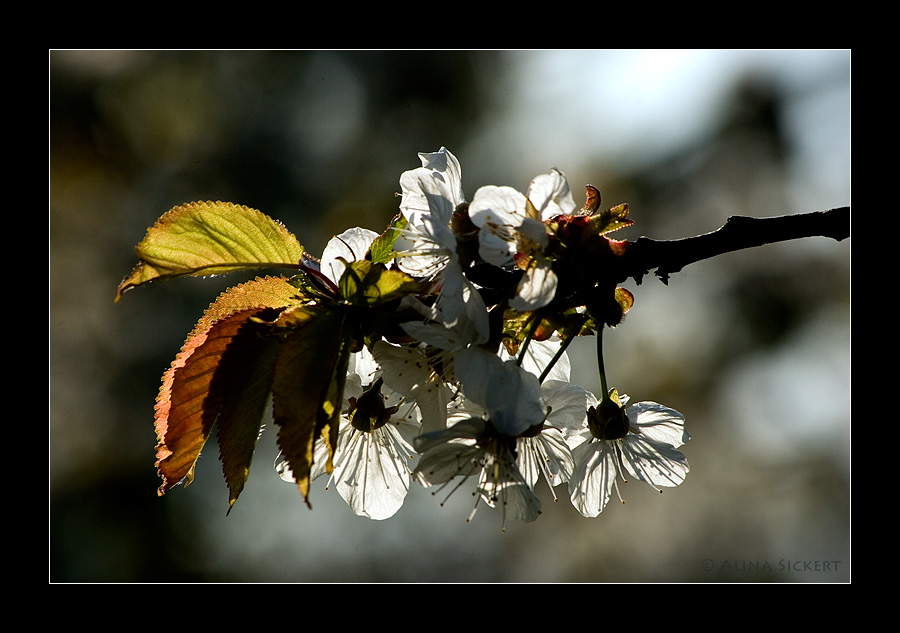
[{"x": 738, "y": 232}]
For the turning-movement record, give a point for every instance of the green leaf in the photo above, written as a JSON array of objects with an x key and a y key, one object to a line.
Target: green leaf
[
  {"x": 308, "y": 387},
  {"x": 612, "y": 220},
  {"x": 365, "y": 283},
  {"x": 381, "y": 251},
  {"x": 211, "y": 238},
  {"x": 573, "y": 322},
  {"x": 625, "y": 299}
]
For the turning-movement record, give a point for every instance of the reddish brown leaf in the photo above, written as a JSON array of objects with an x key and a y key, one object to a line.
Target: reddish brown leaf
[
  {"x": 271, "y": 292},
  {"x": 243, "y": 380},
  {"x": 185, "y": 410},
  {"x": 188, "y": 404},
  {"x": 308, "y": 386}
]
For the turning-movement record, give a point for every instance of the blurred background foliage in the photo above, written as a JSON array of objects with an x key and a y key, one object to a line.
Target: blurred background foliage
[{"x": 753, "y": 347}]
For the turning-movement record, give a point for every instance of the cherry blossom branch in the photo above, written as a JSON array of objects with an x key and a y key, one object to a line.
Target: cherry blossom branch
[{"x": 738, "y": 232}]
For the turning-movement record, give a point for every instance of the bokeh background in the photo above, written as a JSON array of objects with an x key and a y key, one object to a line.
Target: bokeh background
[{"x": 753, "y": 347}]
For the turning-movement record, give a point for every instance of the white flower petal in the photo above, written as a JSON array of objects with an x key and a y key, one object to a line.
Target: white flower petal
[
  {"x": 498, "y": 212},
  {"x": 567, "y": 402},
  {"x": 654, "y": 463},
  {"x": 425, "y": 247},
  {"x": 446, "y": 164},
  {"x": 534, "y": 233},
  {"x": 497, "y": 205},
  {"x": 362, "y": 365},
  {"x": 592, "y": 481},
  {"x": 512, "y": 495},
  {"x": 510, "y": 395},
  {"x": 434, "y": 189},
  {"x": 658, "y": 422},
  {"x": 406, "y": 370},
  {"x": 371, "y": 470},
  {"x": 451, "y": 452},
  {"x": 547, "y": 453},
  {"x": 350, "y": 245},
  {"x": 536, "y": 288},
  {"x": 470, "y": 447},
  {"x": 647, "y": 453},
  {"x": 649, "y": 450},
  {"x": 551, "y": 196},
  {"x": 460, "y": 305}
]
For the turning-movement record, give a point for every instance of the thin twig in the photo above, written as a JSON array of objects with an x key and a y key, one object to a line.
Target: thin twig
[{"x": 738, "y": 232}]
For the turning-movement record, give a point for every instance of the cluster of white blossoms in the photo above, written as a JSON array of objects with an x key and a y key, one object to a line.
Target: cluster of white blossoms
[{"x": 452, "y": 406}]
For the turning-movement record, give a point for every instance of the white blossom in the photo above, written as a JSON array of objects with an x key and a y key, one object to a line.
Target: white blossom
[
  {"x": 547, "y": 453},
  {"x": 350, "y": 246},
  {"x": 551, "y": 196},
  {"x": 414, "y": 373},
  {"x": 473, "y": 447},
  {"x": 512, "y": 232},
  {"x": 426, "y": 247},
  {"x": 372, "y": 459},
  {"x": 646, "y": 450},
  {"x": 501, "y": 402},
  {"x": 510, "y": 396}
]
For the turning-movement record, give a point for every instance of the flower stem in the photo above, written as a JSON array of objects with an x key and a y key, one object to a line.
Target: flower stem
[
  {"x": 604, "y": 390},
  {"x": 533, "y": 326},
  {"x": 556, "y": 357}
]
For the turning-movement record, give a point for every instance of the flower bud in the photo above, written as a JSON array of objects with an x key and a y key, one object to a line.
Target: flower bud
[{"x": 608, "y": 420}]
